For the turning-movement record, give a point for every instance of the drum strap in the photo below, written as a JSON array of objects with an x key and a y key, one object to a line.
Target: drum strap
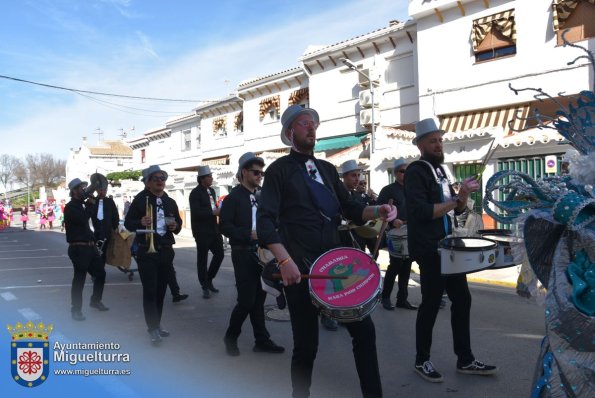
[{"x": 445, "y": 186}]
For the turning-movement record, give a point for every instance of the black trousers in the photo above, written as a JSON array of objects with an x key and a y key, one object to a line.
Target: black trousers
[
  {"x": 304, "y": 324},
  {"x": 85, "y": 259},
  {"x": 172, "y": 282},
  {"x": 154, "y": 270},
  {"x": 400, "y": 267},
  {"x": 433, "y": 285},
  {"x": 204, "y": 244},
  {"x": 251, "y": 297}
]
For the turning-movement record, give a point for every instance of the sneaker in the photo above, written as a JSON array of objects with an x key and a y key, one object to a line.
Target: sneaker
[
  {"x": 268, "y": 346},
  {"x": 328, "y": 323},
  {"x": 206, "y": 294},
  {"x": 98, "y": 305},
  {"x": 163, "y": 333},
  {"x": 387, "y": 305},
  {"x": 155, "y": 336},
  {"x": 231, "y": 346},
  {"x": 78, "y": 316},
  {"x": 477, "y": 368},
  {"x": 426, "y": 370},
  {"x": 179, "y": 297}
]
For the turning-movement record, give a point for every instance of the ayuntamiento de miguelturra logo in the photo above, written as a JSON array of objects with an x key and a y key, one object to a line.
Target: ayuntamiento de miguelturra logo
[{"x": 30, "y": 353}]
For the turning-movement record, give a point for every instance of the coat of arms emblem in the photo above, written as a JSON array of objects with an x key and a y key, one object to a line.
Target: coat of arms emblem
[{"x": 29, "y": 353}]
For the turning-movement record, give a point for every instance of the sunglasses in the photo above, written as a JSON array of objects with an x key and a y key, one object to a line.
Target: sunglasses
[
  {"x": 401, "y": 171},
  {"x": 308, "y": 123},
  {"x": 257, "y": 172},
  {"x": 159, "y": 178}
]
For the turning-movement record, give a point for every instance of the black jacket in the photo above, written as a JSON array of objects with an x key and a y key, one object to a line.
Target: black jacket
[
  {"x": 421, "y": 193},
  {"x": 235, "y": 218},
  {"x": 138, "y": 209},
  {"x": 76, "y": 221},
  {"x": 111, "y": 218},
  {"x": 396, "y": 192},
  {"x": 287, "y": 214},
  {"x": 202, "y": 220}
]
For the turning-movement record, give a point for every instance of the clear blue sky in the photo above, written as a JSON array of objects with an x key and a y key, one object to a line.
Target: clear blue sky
[{"x": 174, "y": 49}]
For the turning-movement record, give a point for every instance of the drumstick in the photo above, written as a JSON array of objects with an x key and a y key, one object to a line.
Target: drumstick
[
  {"x": 306, "y": 276},
  {"x": 485, "y": 161},
  {"x": 382, "y": 229}
]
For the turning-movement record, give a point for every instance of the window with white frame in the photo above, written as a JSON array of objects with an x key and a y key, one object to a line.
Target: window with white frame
[{"x": 186, "y": 140}]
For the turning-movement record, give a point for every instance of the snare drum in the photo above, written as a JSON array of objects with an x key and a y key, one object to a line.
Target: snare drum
[
  {"x": 465, "y": 255},
  {"x": 510, "y": 250},
  {"x": 350, "y": 299},
  {"x": 396, "y": 240}
]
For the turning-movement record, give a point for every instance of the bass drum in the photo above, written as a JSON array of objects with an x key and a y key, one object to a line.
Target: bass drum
[
  {"x": 355, "y": 294},
  {"x": 466, "y": 255}
]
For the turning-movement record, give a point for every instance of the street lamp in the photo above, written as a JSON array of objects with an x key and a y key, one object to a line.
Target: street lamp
[{"x": 347, "y": 62}]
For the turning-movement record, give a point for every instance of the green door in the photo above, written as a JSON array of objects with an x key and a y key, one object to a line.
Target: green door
[{"x": 463, "y": 171}]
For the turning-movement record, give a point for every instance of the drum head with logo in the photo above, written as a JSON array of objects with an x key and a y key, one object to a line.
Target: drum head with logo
[{"x": 360, "y": 280}]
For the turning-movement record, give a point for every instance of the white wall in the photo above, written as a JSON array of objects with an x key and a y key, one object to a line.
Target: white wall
[{"x": 450, "y": 81}]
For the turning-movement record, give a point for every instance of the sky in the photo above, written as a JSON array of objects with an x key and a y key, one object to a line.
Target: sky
[{"x": 178, "y": 49}]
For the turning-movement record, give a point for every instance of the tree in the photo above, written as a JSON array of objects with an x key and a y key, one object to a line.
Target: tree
[
  {"x": 8, "y": 164},
  {"x": 44, "y": 169}
]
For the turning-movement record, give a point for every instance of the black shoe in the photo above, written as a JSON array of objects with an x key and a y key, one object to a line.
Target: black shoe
[
  {"x": 268, "y": 346},
  {"x": 387, "y": 305},
  {"x": 477, "y": 368},
  {"x": 78, "y": 316},
  {"x": 206, "y": 294},
  {"x": 163, "y": 333},
  {"x": 155, "y": 336},
  {"x": 98, "y": 305},
  {"x": 328, "y": 323},
  {"x": 407, "y": 305},
  {"x": 212, "y": 288},
  {"x": 231, "y": 346},
  {"x": 426, "y": 370},
  {"x": 281, "y": 302},
  {"x": 179, "y": 297}
]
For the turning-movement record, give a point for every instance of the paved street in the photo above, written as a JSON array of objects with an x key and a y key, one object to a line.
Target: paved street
[{"x": 35, "y": 276}]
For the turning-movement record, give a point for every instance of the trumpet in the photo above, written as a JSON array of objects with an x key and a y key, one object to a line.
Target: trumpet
[{"x": 149, "y": 236}]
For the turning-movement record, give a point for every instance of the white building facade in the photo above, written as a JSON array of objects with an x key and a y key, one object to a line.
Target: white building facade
[
  {"x": 470, "y": 51},
  {"x": 453, "y": 61}
]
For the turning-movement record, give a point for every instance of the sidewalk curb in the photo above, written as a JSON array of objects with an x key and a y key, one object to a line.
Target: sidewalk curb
[{"x": 485, "y": 281}]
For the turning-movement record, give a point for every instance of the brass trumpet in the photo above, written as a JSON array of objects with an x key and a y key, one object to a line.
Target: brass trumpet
[{"x": 149, "y": 236}]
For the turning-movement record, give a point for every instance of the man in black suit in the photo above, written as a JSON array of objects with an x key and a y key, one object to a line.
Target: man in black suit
[
  {"x": 105, "y": 220},
  {"x": 205, "y": 229}
]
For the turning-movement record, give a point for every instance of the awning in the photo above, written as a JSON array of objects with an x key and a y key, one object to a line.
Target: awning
[
  {"x": 502, "y": 22},
  {"x": 561, "y": 10},
  {"x": 218, "y": 161},
  {"x": 328, "y": 144},
  {"x": 487, "y": 118}
]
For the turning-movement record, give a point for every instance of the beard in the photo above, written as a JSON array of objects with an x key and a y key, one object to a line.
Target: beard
[
  {"x": 304, "y": 146},
  {"x": 435, "y": 160}
]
